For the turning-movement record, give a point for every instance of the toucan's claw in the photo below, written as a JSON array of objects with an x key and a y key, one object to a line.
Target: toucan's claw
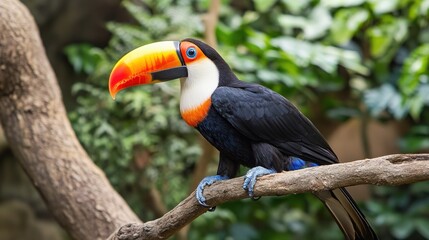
[
  {"x": 212, "y": 209},
  {"x": 256, "y": 198},
  {"x": 206, "y": 182},
  {"x": 250, "y": 178}
]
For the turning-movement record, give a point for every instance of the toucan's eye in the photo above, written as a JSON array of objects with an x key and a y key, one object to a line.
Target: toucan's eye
[{"x": 191, "y": 52}]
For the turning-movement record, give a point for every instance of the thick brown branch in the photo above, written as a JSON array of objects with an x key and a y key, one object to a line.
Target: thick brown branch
[
  {"x": 38, "y": 131},
  {"x": 387, "y": 170}
]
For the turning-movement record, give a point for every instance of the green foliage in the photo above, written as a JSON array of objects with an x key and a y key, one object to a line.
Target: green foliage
[
  {"x": 414, "y": 80},
  {"x": 369, "y": 40},
  {"x": 416, "y": 139},
  {"x": 375, "y": 51},
  {"x": 84, "y": 57},
  {"x": 404, "y": 216},
  {"x": 273, "y": 47},
  {"x": 347, "y": 22}
]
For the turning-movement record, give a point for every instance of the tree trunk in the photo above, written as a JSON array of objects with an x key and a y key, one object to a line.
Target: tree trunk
[{"x": 40, "y": 135}]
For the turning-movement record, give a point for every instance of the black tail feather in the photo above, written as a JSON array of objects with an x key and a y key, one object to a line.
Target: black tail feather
[{"x": 347, "y": 215}]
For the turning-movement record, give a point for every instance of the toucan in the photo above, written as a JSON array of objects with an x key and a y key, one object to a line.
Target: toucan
[{"x": 249, "y": 124}]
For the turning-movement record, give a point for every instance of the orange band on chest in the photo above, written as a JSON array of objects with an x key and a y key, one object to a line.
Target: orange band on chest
[{"x": 196, "y": 115}]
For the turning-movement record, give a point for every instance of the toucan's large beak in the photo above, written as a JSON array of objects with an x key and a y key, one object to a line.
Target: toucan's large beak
[{"x": 155, "y": 62}]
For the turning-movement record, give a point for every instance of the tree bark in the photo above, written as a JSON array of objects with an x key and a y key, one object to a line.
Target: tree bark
[
  {"x": 387, "y": 170},
  {"x": 39, "y": 133}
]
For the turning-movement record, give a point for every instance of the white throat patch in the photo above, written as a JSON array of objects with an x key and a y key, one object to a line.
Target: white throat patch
[{"x": 202, "y": 81}]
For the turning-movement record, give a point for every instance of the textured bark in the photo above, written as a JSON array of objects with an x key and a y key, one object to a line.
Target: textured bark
[
  {"x": 38, "y": 131},
  {"x": 387, "y": 170},
  {"x": 78, "y": 193}
]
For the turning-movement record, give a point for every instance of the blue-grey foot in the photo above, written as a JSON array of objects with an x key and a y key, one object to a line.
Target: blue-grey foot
[
  {"x": 250, "y": 178},
  {"x": 206, "y": 182}
]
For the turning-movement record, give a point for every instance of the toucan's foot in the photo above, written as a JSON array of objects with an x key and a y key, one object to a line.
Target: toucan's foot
[
  {"x": 250, "y": 178},
  {"x": 206, "y": 182}
]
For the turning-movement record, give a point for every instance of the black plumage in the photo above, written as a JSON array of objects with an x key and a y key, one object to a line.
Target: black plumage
[{"x": 262, "y": 115}]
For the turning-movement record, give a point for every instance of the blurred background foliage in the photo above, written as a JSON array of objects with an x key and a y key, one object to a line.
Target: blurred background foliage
[{"x": 349, "y": 59}]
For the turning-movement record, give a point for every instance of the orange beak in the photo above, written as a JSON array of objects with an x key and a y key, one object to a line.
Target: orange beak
[{"x": 152, "y": 63}]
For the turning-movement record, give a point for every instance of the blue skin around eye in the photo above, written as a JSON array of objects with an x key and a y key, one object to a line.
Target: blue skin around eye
[{"x": 295, "y": 163}]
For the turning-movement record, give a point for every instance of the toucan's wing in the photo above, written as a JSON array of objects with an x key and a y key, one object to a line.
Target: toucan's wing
[{"x": 263, "y": 115}]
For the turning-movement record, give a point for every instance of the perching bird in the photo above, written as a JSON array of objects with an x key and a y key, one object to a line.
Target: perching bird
[{"x": 249, "y": 124}]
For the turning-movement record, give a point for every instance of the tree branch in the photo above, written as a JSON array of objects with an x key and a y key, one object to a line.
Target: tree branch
[{"x": 387, "y": 170}]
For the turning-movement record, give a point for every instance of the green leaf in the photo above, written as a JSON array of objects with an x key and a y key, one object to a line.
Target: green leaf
[
  {"x": 72, "y": 53},
  {"x": 414, "y": 143},
  {"x": 416, "y": 67},
  {"x": 301, "y": 51},
  {"x": 291, "y": 21},
  {"x": 416, "y": 105},
  {"x": 347, "y": 21},
  {"x": 385, "y": 98},
  {"x": 423, "y": 90},
  {"x": 84, "y": 57},
  {"x": 263, "y": 5},
  {"x": 402, "y": 229},
  {"x": 422, "y": 227},
  {"x": 296, "y": 7},
  {"x": 105, "y": 128},
  {"x": 383, "y": 37},
  {"x": 383, "y": 6},
  {"x": 314, "y": 26},
  {"x": 380, "y": 41},
  {"x": 319, "y": 22},
  {"x": 419, "y": 9},
  {"x": 421, "y": 187},
  {"x": 326, "y": 57},
  {"x": 243, "y": 232},
  {"x": 341, "y": 3}
]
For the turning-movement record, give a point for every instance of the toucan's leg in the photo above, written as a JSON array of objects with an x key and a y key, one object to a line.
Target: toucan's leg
[
  {"x": 252, "y": 174},
  {"x": 226, "y": 170},
  {"x": 206, "y": 182},
  {"x": 268, "y": 160},
  {"x": 293, "y": 163}
]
